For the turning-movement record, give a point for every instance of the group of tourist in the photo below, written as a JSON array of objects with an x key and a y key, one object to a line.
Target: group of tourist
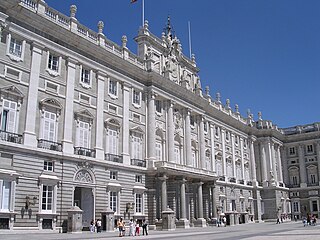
[
  {"x": 134, "y": 227},
  {"x": 95, "y": 226},
  {"x": 310, "y": 220}
]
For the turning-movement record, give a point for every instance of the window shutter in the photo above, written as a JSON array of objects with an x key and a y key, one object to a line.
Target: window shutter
[
  {"x": 83, "y": 134},
  {"x": 49, "y": 126},
  {"x": 6, "y": 187}
]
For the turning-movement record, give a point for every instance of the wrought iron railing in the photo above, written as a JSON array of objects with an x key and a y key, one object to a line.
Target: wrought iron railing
[
  {"x": 85, "y": 151},
  {"x": 138, "y": 162},
  {"x": 10, "y": 137},
  {"x": 50, "y": 145},
  {"x": 113, "y": 158}
]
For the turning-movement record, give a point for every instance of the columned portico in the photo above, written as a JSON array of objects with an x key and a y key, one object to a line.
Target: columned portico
[{"x": 279, "y": 164}]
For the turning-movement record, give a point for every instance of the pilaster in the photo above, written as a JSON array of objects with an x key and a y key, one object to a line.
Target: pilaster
[
  {"x": 223, "y": 140},
  {"x": 151, "y": 136},
  {"x": 213, "y": 153},
  {"x": 202, "y": 142},
  {"x": 302, "y": 166},
  {"x": 187, "y": 129},
  {"x": 170, "y": 125},
  {"x": 125, "y": 124}
]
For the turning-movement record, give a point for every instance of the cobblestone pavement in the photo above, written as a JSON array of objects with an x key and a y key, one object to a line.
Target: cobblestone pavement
[{"x": 253, "y": 231}]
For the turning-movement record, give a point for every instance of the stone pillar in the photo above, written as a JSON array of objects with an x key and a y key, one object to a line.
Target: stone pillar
[
  {"x": 284, "y": 161},
  {"x": 242, "y": 158},
  {"x": 164, "y": 200},
  {"x": 263, "y": 164},
  {"x": 30, "y": 137},
  {"x": 74, "y": 219},
  {"x": 151, "y": 136},
  {"x": 107, "y": 217},
  {"x": 170, "y": 124},
  {"x": 252, "y": 161},
  {"x": 213, "y": 153},
  {"x": 202, "y": 143},
  {"x": 223, "y": 141},
  {"x": 270, "y": 173},
  {"x": 233, "y": 157},
  {"x": 101, "y": 77},
  {"x": 279, "y": 163},
  {"x": 67, "y": 142},
  {"x": 183, "y": 221},
  {"x": 318, "y": 159},
  {"x": 200, "y": 222},
  {"x": 302, "y": 166},
  {"x": 125, "y": 124},
  {"x": 187, "y": 130},
  {"x": 168, "y": 220},
  {"x": 214, "y": 203},
  {"x": 274, "y": 159}
]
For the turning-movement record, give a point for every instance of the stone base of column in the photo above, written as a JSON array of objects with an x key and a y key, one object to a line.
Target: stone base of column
[
  {"x": 200, "y": 222},
  {"x": 99, "y": 153},
  {"x": 183, "y": 223},
  {"x": 67, "y": 147},
  {"x": 151, "y": 163},
  {"x": 126, "y": 159},
  {"x": 30, "y": 139}
]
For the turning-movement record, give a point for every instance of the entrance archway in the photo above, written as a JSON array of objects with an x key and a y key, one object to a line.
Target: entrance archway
[{"x": 83, "y": 198}]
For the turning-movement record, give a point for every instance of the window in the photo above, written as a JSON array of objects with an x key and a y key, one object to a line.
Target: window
[
  {"x": 314, "y": 206},
  {"x": 310, "y": 148},
  {"x": 5, "y": 193},
  {"x": 139, "y": 178},
  {"x": 194, "y": 157},
  {"x": 245, "y": 143},
  {"x": 158, "y": 106},
  {"x": 84, "y": 133},
  {"x": 113, "y": 201},
  {"x": 217, "y": 130},
  {"x": 208, "y": 160},
  {"x": 85, "y": 76},
  {"x": 313, "y": 178},
  {"x": 113, "y": 175},
  {"x": 53, "y": 62},
  {"x": 158, "y": 150},
  {"x": 205, "y": 127},
  {"x": 192, "y": 120},
  {"x": 138, "y": 202},
  {"x": 292, "y": 151},
  {"x": 15, "y": 47},
  {"x": 136, "y": 97},
  {"x": 49, "y": 126},
  {"x": 294, "y": 180},
  {"x": 47, "y": 197},
  {"x": 177, "y": 154},
  {"x": 136, "y": 146},
  {"x": 227, "y": 136},
  {"x": 48, "y": 166},
  {"x": 8, "y": 116},
  {"x": 295, "y": 206},
  {"x": 113, "y": 87},
  {"x": 112, "y": 140}
]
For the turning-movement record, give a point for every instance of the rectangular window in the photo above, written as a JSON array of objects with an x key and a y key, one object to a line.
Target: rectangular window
[
  {"x": 47, "y": 197},
  {"x": 233, "y": 205},
  {"x": 136, "y": 97},
  {"x": 194, "y": 158},
  {"x": 192, "y": 120},
  {"x": 112, "y": 141},
  {"x": 48, "y": 166},
  {"x": 205, "y": 126},
  {"x": 113, "y": 201},
  {"x": 177, "y": 154},
  {"x": 8, "y": 116},
  {"x": 138, "y": 178},
  {"x": 138, "y": 204},
  {"x": 313, "y": 178},
  {"x": 310, "y": 148},
  {"x": 158, "y": 106},
  {"x": 15, "y": 47},
  {"x": 292, "y": 151},
  {"x": 294, "y": 180},
  {"x": 53, "y": 62},
  {"x": 5, "y": 192},
  {"x": 85, "y": 76},
  {"x": 314, "y": 206},
  {"x": 136, "y": 146},
  {"x": 113, "y": 175},
  {"x": 295, "y": 206},
  {"x": 158, "y": 150},
  {"x": 83, "y": 140},
  {"x": 49, "y": 126},
  {"x": 113, "y": 87}
]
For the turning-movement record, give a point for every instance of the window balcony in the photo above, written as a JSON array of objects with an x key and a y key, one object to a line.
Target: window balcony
[
  {"x": 312, "y": 184},
  {"x": 50, "y": 145},
  {"x": 85, "y": 151},
  {"x": 138, "y": 162},
  {"x": 232, "y": 179},
  {"x": 10, "y": 137},
  {"x": 113, "y": 158},
  {"x": 241, "y": 181},
  {"x": 249, "y": 183},
  {"x": 222, "y": 178}
]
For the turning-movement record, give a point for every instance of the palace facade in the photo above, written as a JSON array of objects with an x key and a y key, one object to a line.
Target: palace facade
[{"x": 86, "y": 122}]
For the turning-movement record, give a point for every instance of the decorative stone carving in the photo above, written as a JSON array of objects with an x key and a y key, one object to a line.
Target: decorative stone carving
[
  {"x": 84, "y": 176},
  {"x": 177, "y": 120}
]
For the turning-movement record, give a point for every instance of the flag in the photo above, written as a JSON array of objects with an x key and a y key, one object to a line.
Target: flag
[{"x": 133, "y": 1}]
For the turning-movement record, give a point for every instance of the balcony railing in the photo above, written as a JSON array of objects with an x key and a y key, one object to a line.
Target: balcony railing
[
  {"x": 50, "y": 145},
  {"x": 281, "y": 184},
  {"x": 85, "y": 151},
  {"x": 10, "y": 137},
  {"x": 222, "y": 178},
  {"x": 138, "y": 162},
  {"x": 241, "y": 181},
  {"x": 233, "y": 180},
  {"x": 249, "y": 183},
  {"x": 113, "y": 158}
]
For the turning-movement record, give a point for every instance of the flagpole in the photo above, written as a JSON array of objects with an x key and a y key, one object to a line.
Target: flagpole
[
  {"x": 189, "y": 31},
  {"x": 142, "y": 13}
]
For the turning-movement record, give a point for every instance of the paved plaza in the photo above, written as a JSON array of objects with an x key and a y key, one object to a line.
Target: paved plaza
[{"x": 253, "y": 231}]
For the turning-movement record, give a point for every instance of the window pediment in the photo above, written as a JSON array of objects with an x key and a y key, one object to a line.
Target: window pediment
[
  {"x": 112, "y": 122},
  {"x": 137, "y": 129},
  {"x": 11, "y": 92},
  {"x": 84, "y": 115},
  {"x": 52, "y": 103}
]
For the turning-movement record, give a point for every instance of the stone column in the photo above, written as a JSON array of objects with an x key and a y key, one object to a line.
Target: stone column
[
  {"x": 200, "y": 222},
  {"x": 214, "y": 203},
  {"x": 187, "y": 130},
  {"x": 280, "y": 173},
  {"x": 252, "y": 160},
  {"x": 284, "y": 161},
  {"x": 274, "y": 159},
  {"x": 302, "y": 166},
  {"x": 67, "y": 142},
  {"x": 233, "y": 157},
  {"x": 125, "y": 124},
  {"x": 183, "y": 221},
  {"x": 164, "y": 200},
  {"x": 101, "y": 77},
  {"x": 213, "y": 153},
  {"x": 151, "y": 136},
  {"x": 223, "y": 141},
  {"x": 242, "y": 158},
  {"x": 318, "y": 158},
  {"x": 264, "y": 170},
  {"x": 269, "y": 160},
  {"x": 202, "y": 143},
  {"x": 30, "y": 137},
  {"x": 170, "y": 124}
]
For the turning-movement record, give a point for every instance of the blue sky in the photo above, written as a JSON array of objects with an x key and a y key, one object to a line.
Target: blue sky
[{"x": 264, "y": 55}]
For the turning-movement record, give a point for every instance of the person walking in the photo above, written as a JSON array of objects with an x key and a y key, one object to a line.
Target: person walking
[
  {"x": 224, "y": 221},
  {"x": 92, "y": 226},
  {"x": 137, "y": 228},
  {"x": 98, "y": 226},
  {"x": 120, "y": 225},
  {"x": 144, "y": 227},
  {"x": 131, "y": 227}
]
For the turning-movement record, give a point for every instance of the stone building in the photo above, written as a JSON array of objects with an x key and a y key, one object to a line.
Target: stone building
[{"x": 86, "y": 122}]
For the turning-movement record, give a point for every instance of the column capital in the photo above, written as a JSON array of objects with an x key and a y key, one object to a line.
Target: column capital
[
  {"x": 151, "y": 94},
  {"x": 71, "y": 62},
  {"x": 101, "y": 74},
  {"x": 37, "y": 47},
  {"x": 163, "y": 177},
  {"x": 187, "y": 111},
  {"x": 252, "y": 138}
]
